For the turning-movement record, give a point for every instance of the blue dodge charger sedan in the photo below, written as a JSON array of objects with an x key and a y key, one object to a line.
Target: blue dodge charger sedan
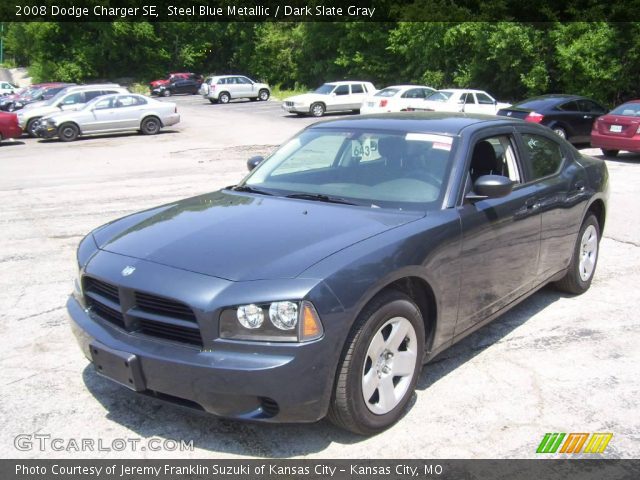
[{"x": 354, "y": 254}]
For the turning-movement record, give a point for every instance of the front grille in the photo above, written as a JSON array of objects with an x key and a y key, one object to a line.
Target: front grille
[
  {"x": 103, "y": 311},
  {"x": 169, "y": 331},
  {"x": 164, "y": 307},
  {"x": 289, "y": 104},
  {"x": 151, "y": 315},
  {"x": 102, "y": 288}
]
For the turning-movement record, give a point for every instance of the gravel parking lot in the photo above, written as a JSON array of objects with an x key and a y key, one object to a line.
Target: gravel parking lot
[{"x": 553, "y": 364}]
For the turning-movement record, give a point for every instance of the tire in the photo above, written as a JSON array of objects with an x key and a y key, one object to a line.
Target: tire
[
  {"x": 584, "y": 259},
  {"x": 150, "y": 126},
  {"x": 388, "y": 329},
  {"x": 561, "y": 132},
  {"x": 211, "y": 100},
  {"x": 224, "y": 97},
  {"x": 166, "y": 92},
  {"x": 31, "y": 125},
  {"x": 68, "y": 132},
  {"x": 317, "y": 109},
  {"x": 610, "y": 153},
  {"x": 264, "y": 95}
]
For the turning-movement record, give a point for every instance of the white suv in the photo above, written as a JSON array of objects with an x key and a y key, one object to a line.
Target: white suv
[
  {"x": 330, "y": 97},
  {"x": 224, "y": 88},
  {"x": 68, "y": 99}
]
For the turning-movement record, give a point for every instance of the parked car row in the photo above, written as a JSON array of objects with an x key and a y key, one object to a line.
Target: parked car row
[{"x": 34, "y": 93}]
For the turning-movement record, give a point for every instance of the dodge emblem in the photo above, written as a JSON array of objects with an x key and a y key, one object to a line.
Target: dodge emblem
[{"x": 128, "y": 270}]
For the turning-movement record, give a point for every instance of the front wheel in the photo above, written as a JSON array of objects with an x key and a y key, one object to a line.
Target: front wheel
[
  {"x": 68, "y": 132},
  {"x": 380, "y": 365},
  {"x": 610, "y": 153},
  {"x": 317, "y": 110},
  {"x": 584, "y": 259},
  {"x": 150, "y": 126},
  {"x": 263, "y": 95},
  {"x": 166, "y": 93},
  {"x": 31, "y": 127}
]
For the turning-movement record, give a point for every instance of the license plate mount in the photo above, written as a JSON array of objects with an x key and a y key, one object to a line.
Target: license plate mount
[
  {"x": 121, "y": 367},
  {"x": 615, "y": 128}
]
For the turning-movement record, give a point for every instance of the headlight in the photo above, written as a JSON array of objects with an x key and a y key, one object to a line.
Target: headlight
[{"x": 288, "y": 321}]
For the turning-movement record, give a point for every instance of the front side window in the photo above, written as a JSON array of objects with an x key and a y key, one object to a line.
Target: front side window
[
  {"x": 342, "y": 90},
  {"x": 103, "y": 104},
  {"x": 544, "y": 154},
  {"x": 495, "y": 156},
  {"x": 368, "y": 168}
]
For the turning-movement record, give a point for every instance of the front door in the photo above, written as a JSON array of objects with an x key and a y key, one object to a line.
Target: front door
[{"x": 501, "y": 236}]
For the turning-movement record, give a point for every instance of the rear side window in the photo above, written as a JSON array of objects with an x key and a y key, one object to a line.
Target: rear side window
[
  {"x": 571, "y": 106},
  {"x": 544, "y": 154},
  {"x": 91, "y": 94},
  {"x": 357, "y": 88},
  {"x": 484, "y": 99}
]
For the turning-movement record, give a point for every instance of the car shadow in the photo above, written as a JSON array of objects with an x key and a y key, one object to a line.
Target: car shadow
[
  {"x": 89, "y": 138},
  {"x": 326, "y": 115},
  {"x": 8, "y": 143},
  {"x": 150, "y": 417},
  {"x": 623, "y": 157}
]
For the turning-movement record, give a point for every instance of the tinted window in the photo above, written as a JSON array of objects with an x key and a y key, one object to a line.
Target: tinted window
[
  {"x": 590, "y": 106},
  {"x": 467, "y": 98},
  {"x": 342, "y": 90},
  {"x": 244, "y": 80},
  {"x": 357, "y": 88},
  {"x": 571, "y": 106},
  {"x": 484, "y": 99},
  {"x": 92, "y": 94},
  {"x": 544, "y": 154}
]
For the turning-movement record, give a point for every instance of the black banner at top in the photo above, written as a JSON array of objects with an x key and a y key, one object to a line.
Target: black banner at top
[{"x": 318, "y": 10}]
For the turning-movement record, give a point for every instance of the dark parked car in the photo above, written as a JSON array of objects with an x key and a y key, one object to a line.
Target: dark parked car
[
  {"x": 9, "y": 127},
  {"x": 569, "y": 116},
  {"x": 382, "y": 240},
  {"x": 35, "y": 93},
  {"x": 181, "y": 85},
  {"x": 618, "y": 130}
]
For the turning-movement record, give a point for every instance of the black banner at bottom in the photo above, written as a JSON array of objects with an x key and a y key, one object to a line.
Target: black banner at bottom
[{"x": 543, "y": 469}]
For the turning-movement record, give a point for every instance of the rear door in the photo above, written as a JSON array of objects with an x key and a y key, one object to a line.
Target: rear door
[
  {"x": 128, "y": 112},
  {"x": 358, "y": 94},
  {"x": 561, "y": 187},
  {"x": 590, "y": 111}
]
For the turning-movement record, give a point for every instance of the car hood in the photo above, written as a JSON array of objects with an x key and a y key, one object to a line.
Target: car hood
[
  {"x": 308, "y": 98},
  {"x": 242, "y": 237}
]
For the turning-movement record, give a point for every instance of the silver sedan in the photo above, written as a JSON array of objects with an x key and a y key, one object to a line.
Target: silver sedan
[{"x": 110, "y": 114}]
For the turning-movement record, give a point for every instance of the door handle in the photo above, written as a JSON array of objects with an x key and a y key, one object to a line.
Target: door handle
[
  {"x": 579, "y": 186},
  {"x": 587, "y": 116}
]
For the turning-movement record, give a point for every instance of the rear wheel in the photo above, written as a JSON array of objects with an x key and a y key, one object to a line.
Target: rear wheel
[
  {"x": 380, "y": 365},
  {"x": 561, "y": 132},
  {"x": 264, "y": 95},
  {"x": 584, "y": 260},
  {"x": 224, "y": 97},
  {"x": 150, "y": 126},
  {"x": 610, "y": 153},
  {"x": 68, "y": 132}
]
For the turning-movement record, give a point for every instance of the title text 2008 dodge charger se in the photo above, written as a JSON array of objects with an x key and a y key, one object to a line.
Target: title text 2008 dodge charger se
[{"x": 352, "y": 255}]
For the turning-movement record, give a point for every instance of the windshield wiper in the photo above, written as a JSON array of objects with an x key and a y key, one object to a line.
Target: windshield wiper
[
  {"x": 247, "y": 188},
  {"x": 319, "y": 197}
]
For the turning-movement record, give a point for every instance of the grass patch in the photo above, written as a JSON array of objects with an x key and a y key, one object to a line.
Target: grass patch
[
  {"x": 278, "y": 93},
  {"x": 140, "y": 88}
]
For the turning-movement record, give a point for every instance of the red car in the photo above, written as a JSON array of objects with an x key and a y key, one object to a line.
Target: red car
[
  {"x": 9, "y": 127},
  {"x": 618, "y": 130},
  {"x": 172, "y": 77}
]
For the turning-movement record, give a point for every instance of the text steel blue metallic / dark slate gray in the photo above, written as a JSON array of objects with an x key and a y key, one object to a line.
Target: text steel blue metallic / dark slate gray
[{"x": 355, "y": 253}]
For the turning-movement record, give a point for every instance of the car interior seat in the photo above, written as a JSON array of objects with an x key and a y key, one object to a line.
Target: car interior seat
[{"x": 484, "y": 161}]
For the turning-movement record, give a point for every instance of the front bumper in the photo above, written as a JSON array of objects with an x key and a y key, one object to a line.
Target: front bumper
[
  {"x": 46, "y": 131},
  {"x": 243, "y": 380},
  {"x": 295, "y": 108}
]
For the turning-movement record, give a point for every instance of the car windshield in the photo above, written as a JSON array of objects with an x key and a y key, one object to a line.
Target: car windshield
[
  {"x": 325, "y": 89},
  {"x": 439, "y": 96},
  {"x": 627, "y": 110},
  {"x": 375, "y": 169},
  {"x": 387, "y": 92}
]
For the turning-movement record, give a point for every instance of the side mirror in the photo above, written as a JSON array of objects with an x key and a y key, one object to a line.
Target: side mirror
[
  {"x": 490, "y": 186},
  {"x": 253, "y": 162}
]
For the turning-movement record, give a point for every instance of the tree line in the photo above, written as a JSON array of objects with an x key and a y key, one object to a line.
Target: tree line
[{"x": 511, "y": 60}]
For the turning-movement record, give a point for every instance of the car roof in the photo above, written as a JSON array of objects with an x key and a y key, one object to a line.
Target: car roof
[
  {"x": 73, "y": 88},
  {"x": 345, "y": 82},
  {"x": 406, "y": 86},
  {"x": 444, "y": 123},
  {"x": 462, "y": 90}
]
